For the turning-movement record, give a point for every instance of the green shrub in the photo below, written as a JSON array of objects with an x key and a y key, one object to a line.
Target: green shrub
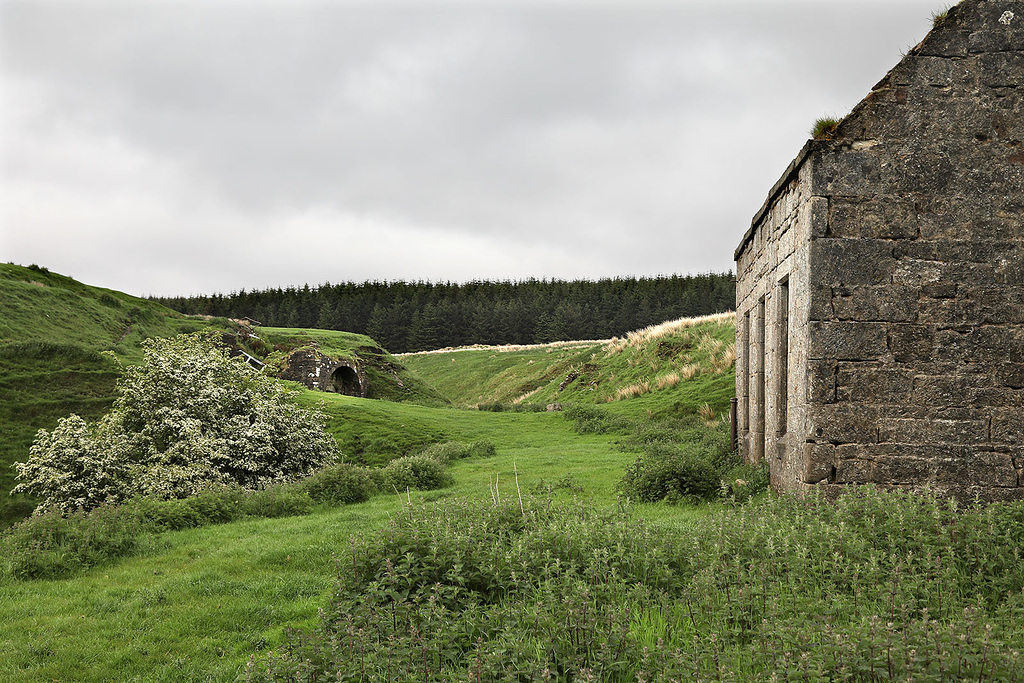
[
  {"x": 742, "y": 482},
  {"x": 590, "y": 420},
  {"x": 187, "y": 419},
  {"x": 415, "y": 472},
  {"x": 340, "y": 485},
  {"x": 498, "y": 407},
  {"x": 672, "y": 476},
  {"x": 52, "y": 545},
  {"x": 277, "y": 501}
]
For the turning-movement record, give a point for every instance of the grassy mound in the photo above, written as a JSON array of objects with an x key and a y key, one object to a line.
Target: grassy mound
[
  {"x": 55, "y": 333},
  {"x": 389, "y": 379},
  {"x": 668, "y": 370}
]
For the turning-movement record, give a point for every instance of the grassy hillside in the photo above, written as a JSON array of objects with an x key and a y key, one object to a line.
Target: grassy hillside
[
  {"x": 665, "y": 370},
  {"x": 54, "y": 332}
]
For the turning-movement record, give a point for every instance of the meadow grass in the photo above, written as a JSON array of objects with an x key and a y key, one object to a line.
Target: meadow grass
[
  {"x": 197, "y": 603},
  {"x": 620, "y": 371},
  {"x": 874, "y": 587}
]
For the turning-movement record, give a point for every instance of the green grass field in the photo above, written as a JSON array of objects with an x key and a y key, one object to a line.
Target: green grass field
[
  {"x": 201, "y": 601},
  {"x": 196, "y": 604}
]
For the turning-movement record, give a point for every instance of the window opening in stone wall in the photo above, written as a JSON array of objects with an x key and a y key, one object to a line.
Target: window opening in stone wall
[
  {"x": 760, "y": 375},
  {"x": 782, "y": 361},
  {"x": 745, "y": 372}
]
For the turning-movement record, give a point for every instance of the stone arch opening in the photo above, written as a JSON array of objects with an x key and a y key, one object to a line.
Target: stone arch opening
[{"x": 345, "y": 381}]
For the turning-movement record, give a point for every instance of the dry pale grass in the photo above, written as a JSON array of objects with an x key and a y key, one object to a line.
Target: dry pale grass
[
  {"x": 666, "y": 381},
  {"x": 706, "y": 412},
  {"x": 505, "y": 348},
  {"x": 528, "y": 394},
  {"x": 710, "y": 345},
  {"x": 666, "y": 328},
  {"x": 614, "y": 344},
  {"x": 632, "y": 390},
  {"x": 689, "y": 371},
  {"x": 726, "y": 361}
]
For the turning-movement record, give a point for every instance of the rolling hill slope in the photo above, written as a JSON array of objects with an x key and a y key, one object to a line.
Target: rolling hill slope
[
  {"x": 61, "y": 342},
  {"x": 53, "y": 332},
  {"x": 665, "y": 370}
]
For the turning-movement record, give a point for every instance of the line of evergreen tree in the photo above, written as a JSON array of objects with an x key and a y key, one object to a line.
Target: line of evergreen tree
[{"x": 418, "y": 316}]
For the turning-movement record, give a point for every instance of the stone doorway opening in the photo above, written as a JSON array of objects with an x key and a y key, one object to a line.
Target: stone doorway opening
[{"x": 345, "y": 381}]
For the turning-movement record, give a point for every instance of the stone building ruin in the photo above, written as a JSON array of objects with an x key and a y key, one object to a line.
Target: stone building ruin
[
  {"x": 880, "y": 288},
  {"x": 320, "y": 372}
]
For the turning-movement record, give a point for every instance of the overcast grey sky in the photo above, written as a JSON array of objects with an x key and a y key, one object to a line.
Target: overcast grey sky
[{"x": 195, "y": 147}]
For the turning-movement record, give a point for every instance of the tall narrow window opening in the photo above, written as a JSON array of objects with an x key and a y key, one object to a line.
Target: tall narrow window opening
[
  {"x": 745, "y": 373},
  {"x": 782, "y": 360},
  {"x": 759, "y": 398}
]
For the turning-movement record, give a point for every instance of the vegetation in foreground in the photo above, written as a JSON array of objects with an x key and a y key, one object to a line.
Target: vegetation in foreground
[{"x": 876, "y": 587}]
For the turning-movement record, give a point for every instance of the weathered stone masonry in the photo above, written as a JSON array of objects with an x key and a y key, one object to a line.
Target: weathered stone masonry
[
  {"x": 880, "y": 294},
  {"x": 323, "y": 373}
]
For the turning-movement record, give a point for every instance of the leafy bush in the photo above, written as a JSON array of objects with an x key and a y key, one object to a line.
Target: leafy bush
[
  {"x": 742, "y": 482},
  {"x": 51, "y": 545},
  {"x": 277, "y": 501},
  {"x": 414, "y": 472},
  {"x": 659, "y": 476},
  {"x": 498, "y": 407},
  {"x": 188, "y": 419},
  {"x": 340, "y": 485},
  {"x": 679, "y": 459},
  {"x": 875, "y": 587}
]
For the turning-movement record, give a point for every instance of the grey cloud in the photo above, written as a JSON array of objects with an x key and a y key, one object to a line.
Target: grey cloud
[{"x": 585, "y": 139}]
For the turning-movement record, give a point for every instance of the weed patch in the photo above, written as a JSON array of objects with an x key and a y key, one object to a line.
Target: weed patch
[{"x": 879, "y": 586}]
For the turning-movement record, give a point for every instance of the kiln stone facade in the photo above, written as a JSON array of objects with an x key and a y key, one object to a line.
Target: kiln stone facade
[
  {"x": 880, "y": 292},
  {"x": 323, "y": 373}
]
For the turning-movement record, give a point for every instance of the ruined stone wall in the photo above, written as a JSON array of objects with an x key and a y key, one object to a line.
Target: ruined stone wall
[
  {"x": 914, "y": 346},
  {"x": 772, "y": 307},
  {"x": 323, "y": 373}
]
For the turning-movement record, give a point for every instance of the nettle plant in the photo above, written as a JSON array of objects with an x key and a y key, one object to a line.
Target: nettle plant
[{"x": 190, "y": 417}]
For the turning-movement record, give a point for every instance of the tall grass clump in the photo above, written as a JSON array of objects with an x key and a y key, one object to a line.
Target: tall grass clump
[
  {"x": 875, "y": 587},
  {"x": 824, "y": 128}
]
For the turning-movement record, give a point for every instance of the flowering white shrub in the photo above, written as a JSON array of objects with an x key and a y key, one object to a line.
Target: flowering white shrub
[{"x": 188, "y": 418}]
